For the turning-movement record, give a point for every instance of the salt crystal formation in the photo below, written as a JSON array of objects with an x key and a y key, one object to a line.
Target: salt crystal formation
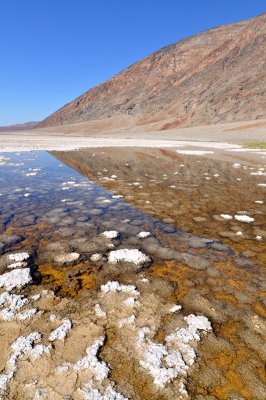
[
  {"x": 133, "y": 256},
  {"x": 61, "y": 332},
  {"x": 23, "y": 345},
  {"x": 114, "y": 286},
  {"x": 226, "y": 216},
  {"x": 244, "y": 218},
  {"x": 110, "y": 234},
  {"x": 143, "y": 235},
  {"x": 172, "y": 360},
  {"x": 16, "y": 278}
]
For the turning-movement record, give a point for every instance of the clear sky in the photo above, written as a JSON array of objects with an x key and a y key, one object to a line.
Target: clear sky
[{"x": 51, "y": 51}]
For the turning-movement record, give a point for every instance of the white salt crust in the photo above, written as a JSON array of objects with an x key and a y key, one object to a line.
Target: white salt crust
[
  {"x": 143, "y": 235},
  {"x": 13, "y": 304},
  {"x": 61, "y": 332},
  {"x": 244, "y": 218},
  {"x": 114, "y": 286},
  {"x": 99, "y": 312},
  {"x": 23, "y": 345},
  {"x": 16, "y": 278},
  {"x": 110, "y": 234},
  {"x": 226, "y": 216},
  {"x": 133, "y": 256},
  {"x": 17, "y": 257},
  {"x": 172, "y": 360}
]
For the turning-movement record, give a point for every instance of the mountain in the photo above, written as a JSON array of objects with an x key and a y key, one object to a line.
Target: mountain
[
  {"x": 19, "y": 127},
  {"x": 216, "y": 76}
]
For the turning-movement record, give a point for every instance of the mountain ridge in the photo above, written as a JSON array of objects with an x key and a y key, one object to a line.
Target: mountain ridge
[{"x": 210, "y": 77}]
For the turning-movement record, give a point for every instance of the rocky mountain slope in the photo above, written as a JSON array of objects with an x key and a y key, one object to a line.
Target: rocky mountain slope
[
  {"x": 216, "y": 76},
  {"x": 18, "y": 127}
]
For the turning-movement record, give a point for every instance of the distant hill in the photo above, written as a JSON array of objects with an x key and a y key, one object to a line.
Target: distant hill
[
  {"x": 19, "y": 127},
  {"x": 213, "y": 77}
]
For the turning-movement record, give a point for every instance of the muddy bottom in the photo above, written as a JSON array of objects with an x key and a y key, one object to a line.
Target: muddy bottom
[{"x": 140, "y": 283}]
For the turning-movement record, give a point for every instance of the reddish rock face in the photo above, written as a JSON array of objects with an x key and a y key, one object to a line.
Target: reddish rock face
[{"x": 216, "y": 76}]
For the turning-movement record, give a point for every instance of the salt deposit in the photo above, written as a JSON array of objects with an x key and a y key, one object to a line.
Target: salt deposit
[
  {"x": 244, "y": 218},
  {"x": 114, "y": 286},
  {"x": 18, "y": 257},
  {"x": 99, "y": 312},
  {"x": 16, "y": 278},
  {"x": 143, "y": 235},
  {"x": 99, "y": 369},
  {"x": 226, "y": 216},
  {"x": 61, "y": 332},
  {"x": 110, "y": 234},
  {"x": 134, "y": 256}
]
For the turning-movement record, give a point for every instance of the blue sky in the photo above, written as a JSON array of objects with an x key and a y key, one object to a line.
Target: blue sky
[{"x": 54, "y": 50}]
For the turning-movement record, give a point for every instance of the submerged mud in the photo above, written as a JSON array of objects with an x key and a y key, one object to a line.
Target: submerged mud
[{"x": 136, "y": 307}]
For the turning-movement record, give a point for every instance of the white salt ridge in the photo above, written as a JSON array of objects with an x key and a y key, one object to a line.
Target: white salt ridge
[
  {"x": 244, "y": 218},
  {"x": 23, "y": 345},
  {"x": 99, "y": 312},
  {"x": 40, "y": 350},
  {"x": 99, "y": 369},
  {"x": 143, "y": 235},
  {"x": 8, "y": 314},
  {"x": 36, "y": 297},
  {"x": 175, "y": 308},
  {"x": 172, "y": 360},
  {"x": 16, "y": 278},
  {"x": 134, "y": 256},
  {"x": 110, "y": 234},
  {"x": 114, "y": 286},
  {"x": 259, "y": 202},
  {"x": 262, "y": 184},
  {"x": 226, "y": 216},
  {"x": 19, "y": 264},
  {"x": 61, "y": 332},
  {"x": 236, "y": 165},
  {"x": 14, "y": 301},
  {"x": 18, "y": 257},
  {"x": 163, "y": 366}
]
